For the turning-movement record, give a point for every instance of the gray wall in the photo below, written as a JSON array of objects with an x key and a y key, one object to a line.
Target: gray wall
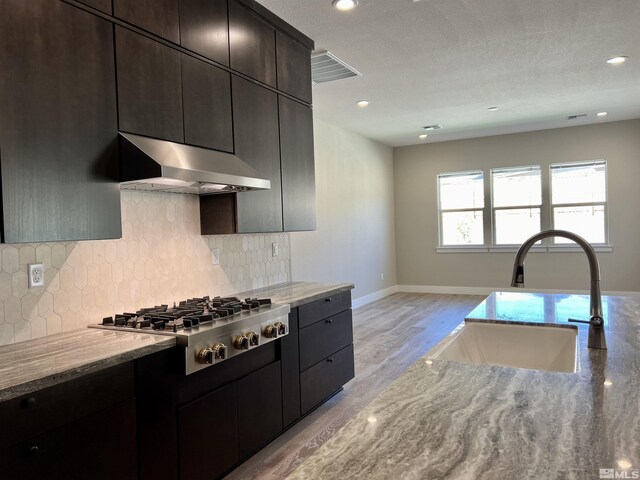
[
  {"x": 354, "y": 241},
  {"x": 415, "y": 170}
]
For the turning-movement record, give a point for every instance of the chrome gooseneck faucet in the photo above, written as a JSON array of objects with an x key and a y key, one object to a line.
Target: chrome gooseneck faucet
[{"x": 596, "y": 321}]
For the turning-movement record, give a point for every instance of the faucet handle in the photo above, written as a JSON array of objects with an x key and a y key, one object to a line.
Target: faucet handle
[{"x": 594, "y": 321}]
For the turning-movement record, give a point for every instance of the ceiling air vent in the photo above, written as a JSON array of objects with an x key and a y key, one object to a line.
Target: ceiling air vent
[
  {"x": 577, "y": 116},
  {"x": 432, "y": 127},
  {"x": 326, "y": 67}
]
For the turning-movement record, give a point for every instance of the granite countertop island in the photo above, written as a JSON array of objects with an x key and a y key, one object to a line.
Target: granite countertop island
[
  {"x": 450, "y": 420},
  {"x": 29, "y": 366}
]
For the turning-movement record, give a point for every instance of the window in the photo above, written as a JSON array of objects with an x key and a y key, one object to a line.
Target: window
[
  {"x": 579, "y": 200},
  {"x": 461, "y": 204},
  {"x": 517, "y": 201},
  {"x": 522, "y": 203}
]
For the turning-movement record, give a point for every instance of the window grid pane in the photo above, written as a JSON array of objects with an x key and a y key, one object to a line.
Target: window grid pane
[
  {"x": 586, "y": 221},
  {"x": 462, "y": 228},
  {"x": 514, "y": 226},
  {"x": 516, "y": 187},
  {"x": 461, "y": 191},
  {"x": 578, "y": 183}
]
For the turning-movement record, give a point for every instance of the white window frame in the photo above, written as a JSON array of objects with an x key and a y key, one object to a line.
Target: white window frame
[
  {"x": 467, "y": 247},
  {"x": 605, "y": 204},
  {"x": 518, "y": 207}
]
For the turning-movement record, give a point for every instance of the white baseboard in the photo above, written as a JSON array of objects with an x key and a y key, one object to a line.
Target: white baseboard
[
  {"x": 488, "y": 290},
  {"x": 372, "y": 297}
]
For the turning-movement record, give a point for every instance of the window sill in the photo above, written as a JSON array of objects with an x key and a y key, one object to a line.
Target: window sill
[{"x": 514, "y": 249}]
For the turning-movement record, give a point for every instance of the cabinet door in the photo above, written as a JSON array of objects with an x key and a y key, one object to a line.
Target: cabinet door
[
  {"x": 255, "y": 122},
  {"x": 58, "y": 124},
  {"x": 155, "y": 16},
  {"x": 259, "y": 408},
  {"x": 206, "y": 93},
  {"x": 101, "y": 446},
  {"x": 208, "y": 434},
  {"x": 298, "y": 167},
  {"x": 294, "y": 67},
  {"x": 204, "y": 28},
  {"x": 252, "y": 44},
  {"x": 149, "y": 87}
]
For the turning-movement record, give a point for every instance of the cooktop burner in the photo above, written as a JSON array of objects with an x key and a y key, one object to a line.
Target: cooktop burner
[{"x": 186, "y": 314}]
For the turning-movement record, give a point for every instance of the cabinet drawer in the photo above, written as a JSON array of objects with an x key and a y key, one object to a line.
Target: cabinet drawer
[
  {"x": 313, "y": 312},
  {"x": 323, "y": 338},
  {"x": 28, "y": 416},
  {"x": 325, "y": 378}
]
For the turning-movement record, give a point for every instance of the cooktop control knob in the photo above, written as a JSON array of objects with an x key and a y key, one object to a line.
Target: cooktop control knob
[
  {"x": 254, "y": 339},
  {"x": 270, "y": 331},
  {"x": 282, "y": 328},
  {"x": 205, "y": 356},
  {"x": 219, "y": 351},
  {"x": 241, "y": 342}
]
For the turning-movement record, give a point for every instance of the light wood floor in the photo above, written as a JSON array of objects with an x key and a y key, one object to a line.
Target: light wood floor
[{"x": 389, "y": 336}]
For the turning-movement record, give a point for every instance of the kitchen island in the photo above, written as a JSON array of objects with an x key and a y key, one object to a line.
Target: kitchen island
[{"x": 453, "y": 420}]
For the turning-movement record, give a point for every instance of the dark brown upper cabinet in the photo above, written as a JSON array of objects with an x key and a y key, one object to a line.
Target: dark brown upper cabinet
[
  {"x": 149, "y": 87},
  {"x": 156, "y": 16},
  {"x": 252, "y": 44},
  {"x": 58, "y": 124},
  {"x": 298, "y": 170},
  {"x": 294, "y": 67},
  {"x": 256, "y": 136},
  {"x": 102, "y": 5},
  {"x": 206, "y": 92},
  {"x": 204, "y": 28}
]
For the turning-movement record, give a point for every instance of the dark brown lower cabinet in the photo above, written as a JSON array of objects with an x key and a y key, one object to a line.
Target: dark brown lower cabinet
[
  {"x": 259, "y": 408},
  {"x": 101, "y": 446},
  {"x": 208, "y": 434},
  {"x": 325, "y": 378}
]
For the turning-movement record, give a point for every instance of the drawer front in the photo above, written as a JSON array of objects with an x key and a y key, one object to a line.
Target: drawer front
[
  {"x": 325, "y": 378},
  {"x": 323, "y": 338},
  {"x": 28, "y": 416},
  {"x": 313, "y": 312}
]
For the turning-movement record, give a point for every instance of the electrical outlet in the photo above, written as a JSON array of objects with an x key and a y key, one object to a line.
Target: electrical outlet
[
  {"x": 215, "y": 256},
  {"x": 275, "y": 249},
  {"x": 36, "y": 275}
]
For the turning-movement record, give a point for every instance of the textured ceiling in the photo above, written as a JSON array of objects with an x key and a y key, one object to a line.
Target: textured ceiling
[{"x": 447, "y": 61}]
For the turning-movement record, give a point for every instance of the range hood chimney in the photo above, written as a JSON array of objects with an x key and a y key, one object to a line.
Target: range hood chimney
[{"x": 159, "y": 165}]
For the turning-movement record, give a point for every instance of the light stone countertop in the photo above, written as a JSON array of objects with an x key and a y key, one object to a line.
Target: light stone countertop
[
  {"x": 297, "y": 293},
  {"x": 29, "y": 366},
  {"x": 449, "y": 420}
]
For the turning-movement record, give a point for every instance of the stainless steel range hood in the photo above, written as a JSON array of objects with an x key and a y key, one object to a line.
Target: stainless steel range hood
[{"x": 159, "y": 165}]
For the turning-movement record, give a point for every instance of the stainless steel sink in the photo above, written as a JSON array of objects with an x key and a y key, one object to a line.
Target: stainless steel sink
[{"x": 536, "y": 347}]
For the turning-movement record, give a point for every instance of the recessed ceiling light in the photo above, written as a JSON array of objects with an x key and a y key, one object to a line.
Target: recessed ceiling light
[
  {"x": 601, "y": 114},
  {"x": 423, "y": 136},
  {"x": 363, "y": 103},
  {"x": 617, "y": 60},
  {"x": 493, "y": 109},
  {"x": 345, "y": 4}
]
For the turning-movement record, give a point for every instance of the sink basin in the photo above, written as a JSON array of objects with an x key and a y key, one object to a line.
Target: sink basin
[{"x": 536, "y": 347}]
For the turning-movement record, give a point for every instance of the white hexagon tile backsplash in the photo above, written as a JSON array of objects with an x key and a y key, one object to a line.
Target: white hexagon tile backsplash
[{"x": 160, "y": 258}]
